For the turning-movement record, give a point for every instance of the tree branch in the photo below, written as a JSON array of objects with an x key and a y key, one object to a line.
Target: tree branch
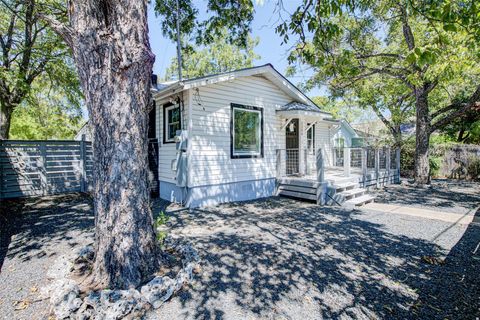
[
  {"x": 385, "y": 121},
  {"x": 375, "y": 55},
  {"x": 472, "y": 104},
  {"x": 61, "y": 29}
]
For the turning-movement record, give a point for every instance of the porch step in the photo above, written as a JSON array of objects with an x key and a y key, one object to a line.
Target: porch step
[
  {"x": 353, "y": 193},
  {"x": 299, "y": 195},
  {"x": 297, "y": 188},
  {"x": 339, "y": 187},
  {"x": 298, "y": 182},
  {"x": 359, "y": 201}
]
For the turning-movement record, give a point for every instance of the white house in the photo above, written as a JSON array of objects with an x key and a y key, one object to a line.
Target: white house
[{"x": 231, "y": 136}]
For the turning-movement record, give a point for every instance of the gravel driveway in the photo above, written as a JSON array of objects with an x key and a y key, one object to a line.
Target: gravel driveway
[{"x": 275, "y": 259}]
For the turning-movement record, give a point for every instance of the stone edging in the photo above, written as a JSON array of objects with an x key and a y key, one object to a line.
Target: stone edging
[{"x": 67, "y": 303}]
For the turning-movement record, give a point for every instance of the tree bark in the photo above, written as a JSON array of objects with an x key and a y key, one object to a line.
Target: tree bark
[
  {"x": 5, "y": 120},
  {"x": 110, "y": 45},
  {"x": 422, "y": 165}
]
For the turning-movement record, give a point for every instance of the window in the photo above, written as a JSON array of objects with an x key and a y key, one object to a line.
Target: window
[
  {"x": 311, "y": 140},
  {"x": 171, "y": 122},
  {"x": 246, "y": 131},
  {"x": 340, "y": 143},
  {"x": 357, "y": 142}
]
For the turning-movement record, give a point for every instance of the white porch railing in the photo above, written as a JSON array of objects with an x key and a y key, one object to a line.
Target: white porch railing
[{"x": 373, "y": 166}]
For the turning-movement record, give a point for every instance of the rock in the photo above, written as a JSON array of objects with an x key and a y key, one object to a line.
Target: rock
[
  {"x": 158, "y": 290},
  {"x": 65, "y": 299},
  {"x": 113, "y": 304},
  {"x": 84, "y": 261}
]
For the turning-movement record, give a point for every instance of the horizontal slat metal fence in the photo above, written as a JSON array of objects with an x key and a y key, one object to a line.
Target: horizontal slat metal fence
[{"x": 33, "y": 168}]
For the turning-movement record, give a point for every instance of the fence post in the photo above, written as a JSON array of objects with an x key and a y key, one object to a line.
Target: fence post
[
  {"x": 397, "y": 166},
  {"x": 364, "y": 155},
  {"x": 346, "y": 162},
  {"x": 43, "y": 167},
  {"x": 377, "y": 166},
  {"x": 387, "y": 165},
  {"x": 83, "y": 174}
]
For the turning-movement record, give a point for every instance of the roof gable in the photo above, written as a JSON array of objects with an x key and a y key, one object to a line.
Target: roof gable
[{"x": 267, "y": 71}]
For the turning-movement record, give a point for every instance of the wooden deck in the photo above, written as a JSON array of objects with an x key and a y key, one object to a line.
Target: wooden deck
[{"x": 337, "y": 188}]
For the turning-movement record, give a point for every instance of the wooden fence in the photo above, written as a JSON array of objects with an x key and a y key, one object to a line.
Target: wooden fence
[{"x": 33, "y": 168}]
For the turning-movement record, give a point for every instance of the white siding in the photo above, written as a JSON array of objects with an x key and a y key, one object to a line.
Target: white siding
[
  {"x": 323, "y": 140},
  {"x": 167, "y": 151},
  {"x": 209, "y": 154}
]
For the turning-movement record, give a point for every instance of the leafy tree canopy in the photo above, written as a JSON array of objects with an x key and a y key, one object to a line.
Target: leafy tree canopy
[
  {"x": 216, "y": 57},
  {"x": 33, "y": 58},
  {"x": 232, "y": 15},
  {"x": 46, "y": 114}
]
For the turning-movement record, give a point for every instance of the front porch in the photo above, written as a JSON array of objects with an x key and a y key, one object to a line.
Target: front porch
[{"x": 361, "y": 169}]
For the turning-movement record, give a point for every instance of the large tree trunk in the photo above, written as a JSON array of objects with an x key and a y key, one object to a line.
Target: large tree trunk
[
  {"x": 5, "y": 120},
  {"x": 110, "y": 45},
  {"x": 422, "y": 165}
]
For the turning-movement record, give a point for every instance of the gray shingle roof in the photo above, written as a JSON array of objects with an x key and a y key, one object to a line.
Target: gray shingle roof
[{"x": 294, "y": 105}]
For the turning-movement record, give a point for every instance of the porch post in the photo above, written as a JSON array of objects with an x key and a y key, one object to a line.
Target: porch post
[
  {"x": 321, "y": 189},
  {"x": 377, "y": 166},
  {"x": 320, "y": 166},
  {"x": 364, "y": 166},
  {"x": 346, "y": 162},
  {"x": 301, "y": 146},
  {"x": 280, "y": 163}
]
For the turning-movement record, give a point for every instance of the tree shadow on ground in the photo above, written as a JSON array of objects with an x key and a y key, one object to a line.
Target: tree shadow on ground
[
  {"x": 278, "y": 258},
  {"x": 33, "y": 226},
  {"x": 454, "y": 290},
  {"x": 442, "y": 194}
]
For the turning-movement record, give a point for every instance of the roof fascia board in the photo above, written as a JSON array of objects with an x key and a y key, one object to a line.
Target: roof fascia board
[
  {"x": 299, "y": 113},
  {"x": 349, "y": 127}
]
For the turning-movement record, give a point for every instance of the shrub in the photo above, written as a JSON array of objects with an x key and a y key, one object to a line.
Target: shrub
[
  {"x": 473, "y": 168},
  {"x": 159, "y": 224},
  {"x": 435, "y": 163}
]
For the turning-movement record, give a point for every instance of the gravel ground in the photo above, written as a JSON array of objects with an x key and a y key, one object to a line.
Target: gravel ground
[
  {"x": 33, "y": 233},
  {"x": 443, "y": 195},
  {"x": 275, "y": 259}
]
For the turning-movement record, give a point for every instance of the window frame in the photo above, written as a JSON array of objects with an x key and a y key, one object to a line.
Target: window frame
[
  {"x": 258, "y": 110},
  {"x": 166, "y": 126},
  {"x": 311, "y": 150}
]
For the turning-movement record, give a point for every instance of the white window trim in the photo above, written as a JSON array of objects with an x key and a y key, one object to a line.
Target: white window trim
[{"x": 167, "y": 124}]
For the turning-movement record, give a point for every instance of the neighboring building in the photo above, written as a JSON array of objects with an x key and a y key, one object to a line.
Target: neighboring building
[{"x": 84, "y": 131}]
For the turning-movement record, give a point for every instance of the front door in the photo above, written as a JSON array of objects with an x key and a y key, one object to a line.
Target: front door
[{"x": 292, "y": 147}]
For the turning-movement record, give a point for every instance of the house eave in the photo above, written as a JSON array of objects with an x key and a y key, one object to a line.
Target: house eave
[{"x": 287, "y": 114}]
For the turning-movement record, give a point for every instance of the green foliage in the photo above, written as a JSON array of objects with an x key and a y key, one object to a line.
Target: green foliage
[
  {"x": 217, "y": 57},
  {"x": 160, "y": 221},
  {"x": 473, "y": 168},
  {"x": 435, "y": 163},
  {"x": 379, "y": 52},
  {"x": 347, "y": 109},
  {"x": 46, "y": 114},
  {"x": 34, "y": 60},
  {"x": 464, "y": 129},
  {"x": 232, "y": 15}
]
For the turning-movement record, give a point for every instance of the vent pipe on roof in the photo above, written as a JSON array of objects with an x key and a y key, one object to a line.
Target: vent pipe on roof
[{"x": 179, "y": 50}]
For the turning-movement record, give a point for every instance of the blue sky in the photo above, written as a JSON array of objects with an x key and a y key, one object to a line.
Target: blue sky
[{"x": 263, "y": 27}]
